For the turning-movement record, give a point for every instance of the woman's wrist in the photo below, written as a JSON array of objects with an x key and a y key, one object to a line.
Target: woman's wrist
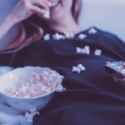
[
  {"x": 11, "y": 20},
  {"x": 6, "y": 24}
]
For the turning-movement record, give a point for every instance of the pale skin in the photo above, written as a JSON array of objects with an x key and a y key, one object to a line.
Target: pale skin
[{"x": 61, "y": 20}]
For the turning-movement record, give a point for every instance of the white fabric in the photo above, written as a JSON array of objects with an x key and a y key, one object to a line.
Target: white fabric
[
  {"x": 9, "y": 115},
  {"x": 6, "y": 112}
]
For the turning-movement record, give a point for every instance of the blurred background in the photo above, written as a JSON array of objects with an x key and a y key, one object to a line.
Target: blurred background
[{"x": 108, "y": 15}]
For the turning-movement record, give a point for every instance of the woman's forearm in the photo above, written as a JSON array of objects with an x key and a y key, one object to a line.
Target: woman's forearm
[
  {"x": 6, "y": 24},
  {"x": 23, "y": 10}
]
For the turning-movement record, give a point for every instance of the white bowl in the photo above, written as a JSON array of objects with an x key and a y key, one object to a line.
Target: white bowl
[{"x": 24, "y": 104}]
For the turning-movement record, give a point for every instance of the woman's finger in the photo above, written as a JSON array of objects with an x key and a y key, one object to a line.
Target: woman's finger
[
  {"x": 48, "y": 3},
  {"x": 108, "y": 62},
  {"x": 124, "y": 64},
  {"x": 36, "y": 9},
  {"x": 44, "y": 4}
]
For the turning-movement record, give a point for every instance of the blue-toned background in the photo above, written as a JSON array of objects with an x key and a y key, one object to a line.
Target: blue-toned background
[{"x": 108, "y": 15}]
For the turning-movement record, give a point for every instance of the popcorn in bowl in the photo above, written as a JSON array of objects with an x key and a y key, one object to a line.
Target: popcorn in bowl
[
  {"x": 36, "y": 85},
  {"x": 30, "y": 87}
]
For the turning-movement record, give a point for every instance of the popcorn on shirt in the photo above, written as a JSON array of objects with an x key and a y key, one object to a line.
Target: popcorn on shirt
[
  {"x": 78, "y": 68},
  {"x": 92, "y": 31}
]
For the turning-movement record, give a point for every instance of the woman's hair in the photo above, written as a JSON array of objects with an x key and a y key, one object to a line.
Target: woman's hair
[{"x": 33, "y": 28}]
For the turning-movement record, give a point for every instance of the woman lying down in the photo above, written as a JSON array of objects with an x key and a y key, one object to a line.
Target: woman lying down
[{"x": 49, "y": 36}]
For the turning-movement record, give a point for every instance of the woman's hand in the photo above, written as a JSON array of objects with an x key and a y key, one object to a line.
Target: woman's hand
[
  {"x": 26, "y": 8},
  {"x": 23, "y": 10},
  {"x": 118, "y": 80}
]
